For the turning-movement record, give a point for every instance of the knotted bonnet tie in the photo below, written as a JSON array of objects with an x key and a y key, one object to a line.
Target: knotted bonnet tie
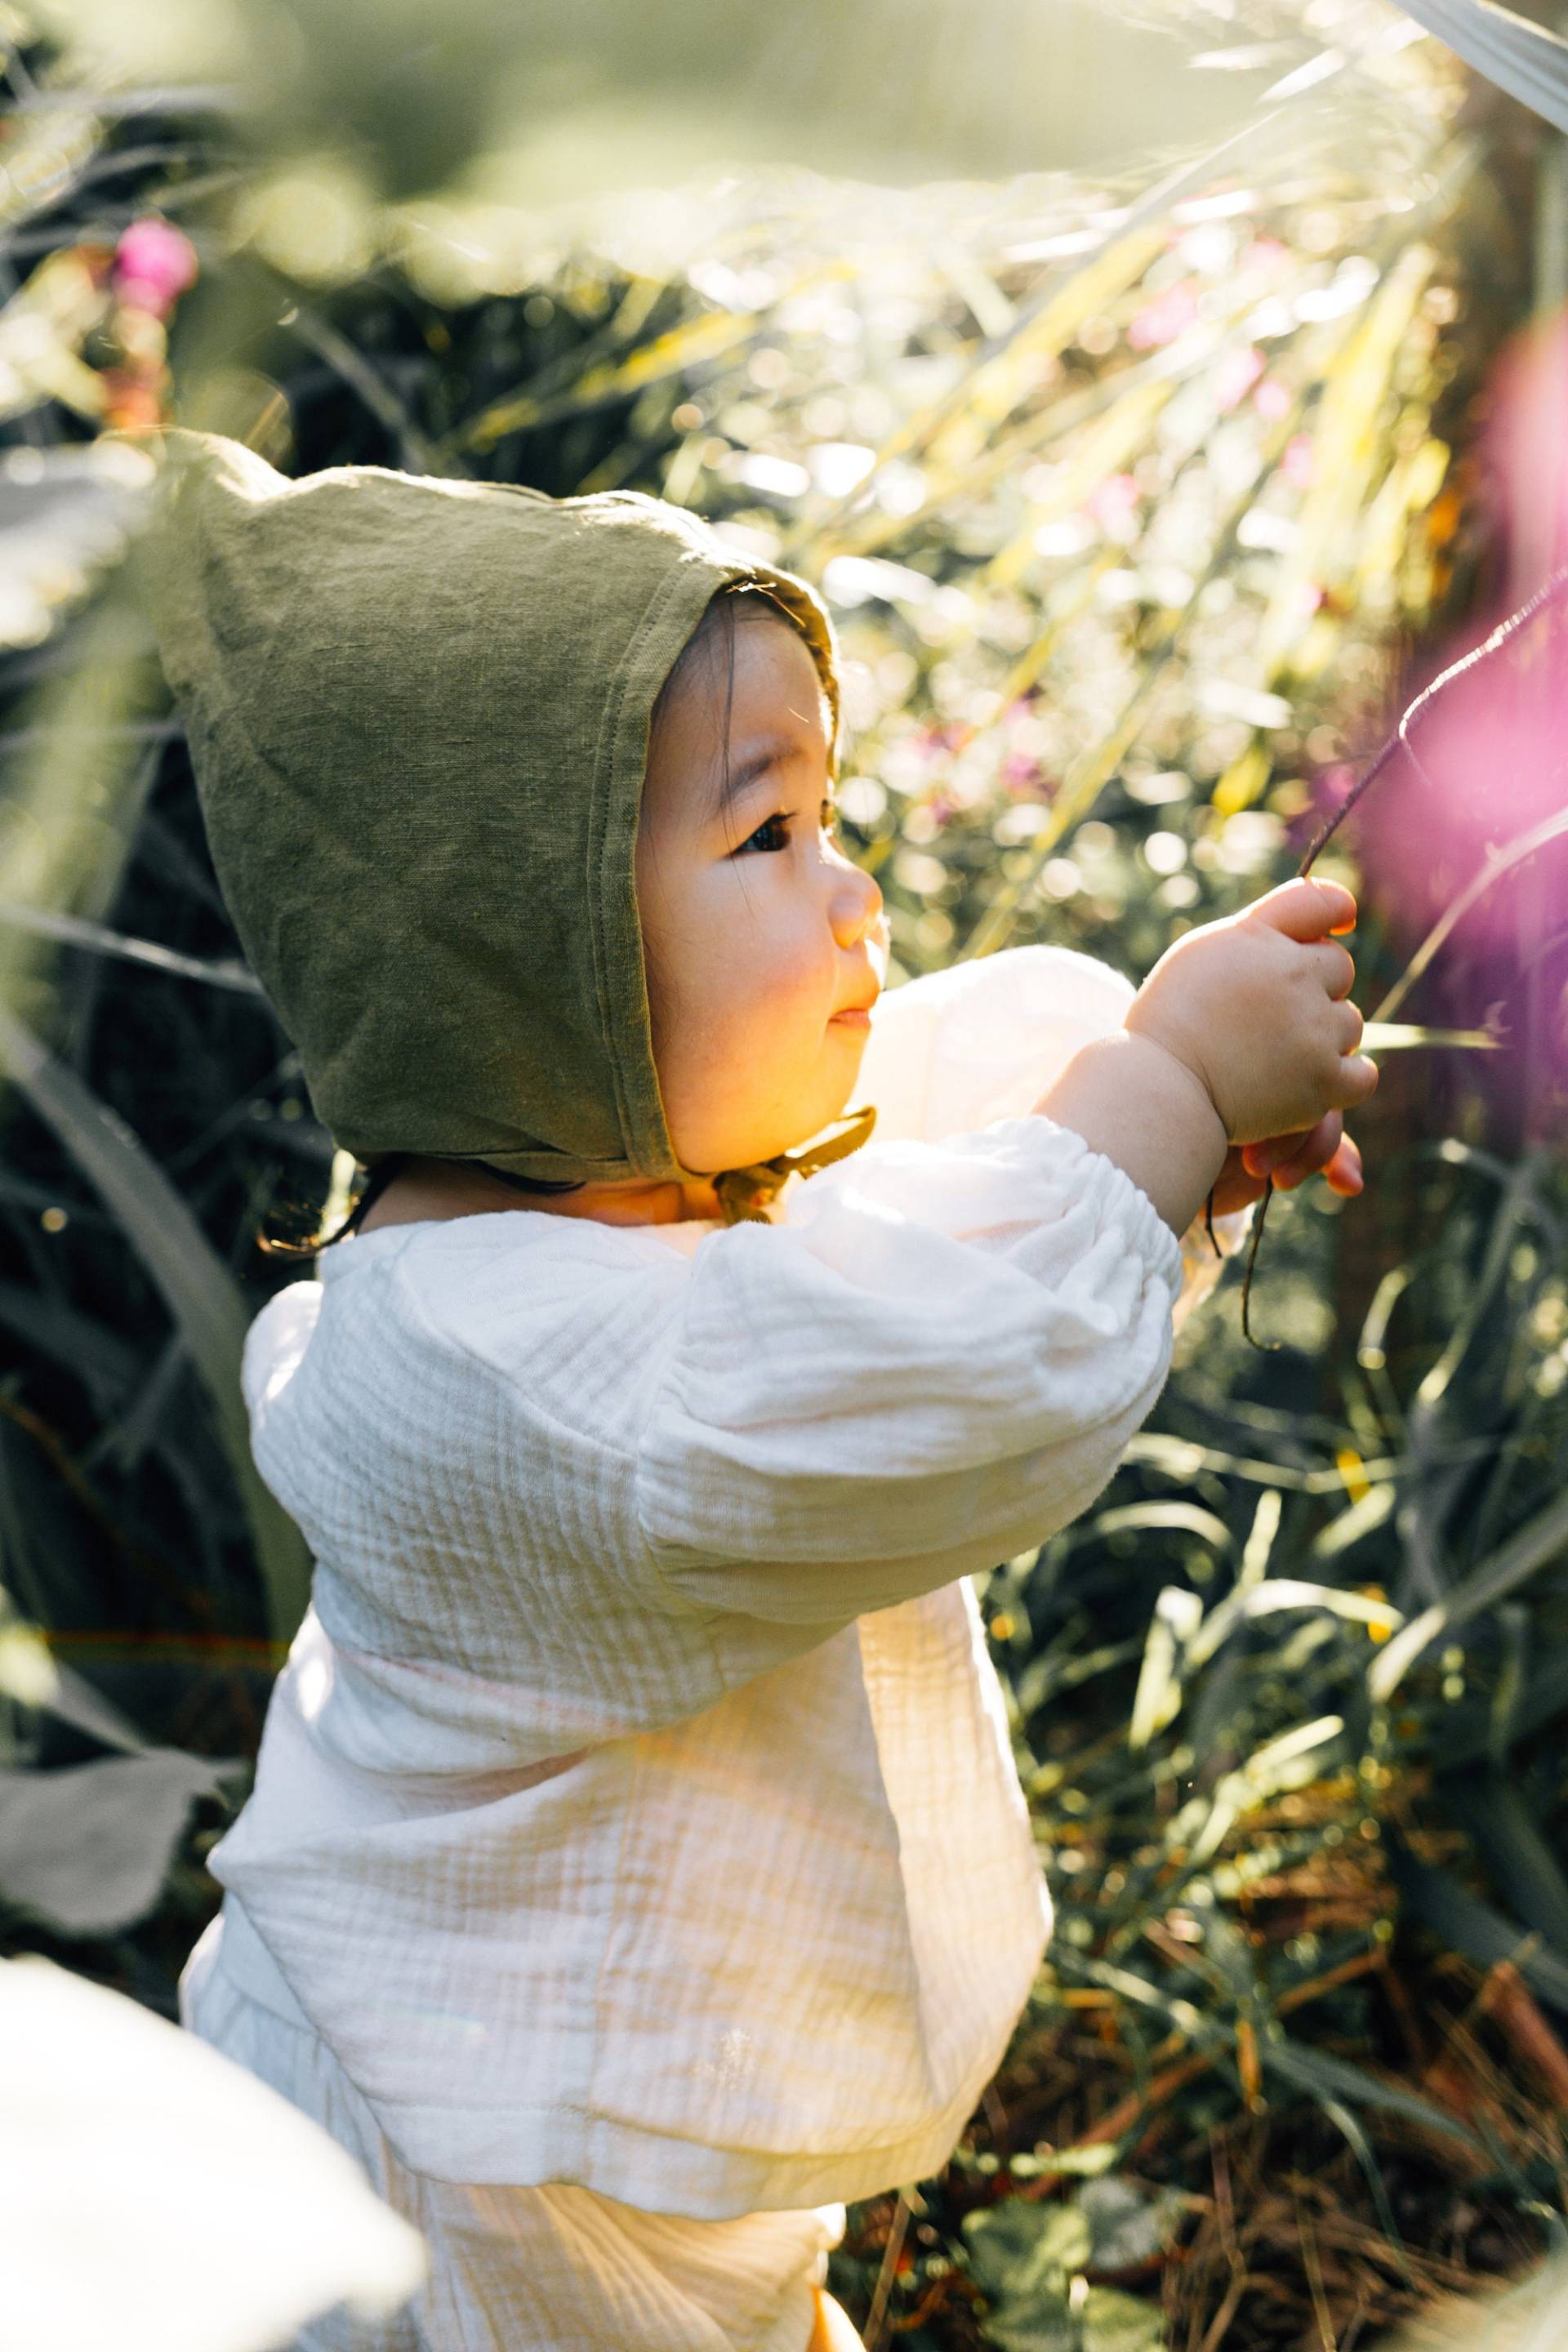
[{"x": 745, "y": 1192}]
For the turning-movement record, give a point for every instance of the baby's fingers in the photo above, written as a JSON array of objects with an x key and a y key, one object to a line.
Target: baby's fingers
[
  {"x": 1357, "y": 1081},
  {"x": 1305, "y": 910},
  {"x": 1324, "y": 1149},
  {"x": 1292, "y": 1159},
  {"x": 1337, "y": 966}
]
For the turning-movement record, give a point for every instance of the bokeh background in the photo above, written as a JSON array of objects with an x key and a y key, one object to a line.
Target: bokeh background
[{"x": 1161, "y": 396}]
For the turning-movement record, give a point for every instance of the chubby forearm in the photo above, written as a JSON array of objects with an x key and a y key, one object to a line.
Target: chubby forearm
[{"x": 1147, "y": 1112}]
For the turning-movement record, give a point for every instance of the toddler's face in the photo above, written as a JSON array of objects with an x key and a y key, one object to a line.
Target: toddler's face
[{"x": 758, "y": 931}]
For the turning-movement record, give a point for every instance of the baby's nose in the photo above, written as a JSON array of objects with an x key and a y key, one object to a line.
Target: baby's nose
[
  {"x": 862, "y": 921},
  {"x": 858, "y": 907}
]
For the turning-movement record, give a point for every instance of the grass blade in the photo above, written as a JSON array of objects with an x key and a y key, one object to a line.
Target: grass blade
[
  {"x": 200, "y": 1293},
  {"x": 1537, "y": 1543},
  {"x": 1473, "y": 1927},
  {"x": 1327, "y": 2078}
]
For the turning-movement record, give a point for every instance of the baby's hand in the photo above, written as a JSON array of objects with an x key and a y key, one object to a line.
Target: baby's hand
[
  {"x": 1255, "y": 1007},
  {"x": 1288, "y": 1160}
]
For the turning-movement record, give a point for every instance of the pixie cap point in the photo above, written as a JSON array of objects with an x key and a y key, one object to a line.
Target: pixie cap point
[{"x": 418, "y": 713}]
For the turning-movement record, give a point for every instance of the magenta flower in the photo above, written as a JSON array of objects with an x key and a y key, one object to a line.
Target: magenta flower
[
  {"x": 1170, "y": 314},
  {"x": 153, "y": 263},
  {"x": 1265, "y": 253},
  {"x": 1236, "y": 373},
  {"x": 1113, "y": 503},
  {"x": 1297, "y": 466}
]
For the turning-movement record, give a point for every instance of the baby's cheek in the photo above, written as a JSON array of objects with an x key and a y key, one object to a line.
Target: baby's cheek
[
  {"x": 770, "y": 982},
  {"x": 803, "y": 995}
]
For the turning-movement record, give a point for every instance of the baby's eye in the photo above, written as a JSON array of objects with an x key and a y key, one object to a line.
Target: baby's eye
[{"x": 773, "y": 833}]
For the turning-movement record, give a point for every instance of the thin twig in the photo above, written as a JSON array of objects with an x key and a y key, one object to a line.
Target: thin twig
[
  {"x": 1551, "y": 592},
  {"x": 1226, "y": 2313},
  {"x": 1314, "y": 2267},
  {"x": 1265, "y": 1348},
  {"x": 876, "y": 2333}
]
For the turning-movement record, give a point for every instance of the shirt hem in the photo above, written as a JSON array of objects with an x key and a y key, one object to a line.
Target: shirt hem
[
  {"x": 657, "y": 2171},
  {"x": 654, "y": 2171}
]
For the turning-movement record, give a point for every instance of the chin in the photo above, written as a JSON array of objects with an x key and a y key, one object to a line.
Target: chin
[{"x": 819, "y": 1106}]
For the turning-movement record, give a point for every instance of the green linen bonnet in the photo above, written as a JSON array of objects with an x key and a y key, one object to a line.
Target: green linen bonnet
[{"x": 418, "y": 711}]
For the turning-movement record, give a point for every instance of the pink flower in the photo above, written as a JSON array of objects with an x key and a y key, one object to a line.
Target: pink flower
[
  {"x": 1236, "y": 376},
  {"x": 1297, "y": 464},
  {"x": 1113, "y": 503},
  {"x": 153, "y": 263},
  {"x": 1265, "y": 253},
  {"x": 1271, "y": 400},
  {"x": 1163, "y": 320}
]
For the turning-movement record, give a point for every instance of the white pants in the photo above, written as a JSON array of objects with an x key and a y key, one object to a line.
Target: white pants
[{"x": 550, "y": 2269}]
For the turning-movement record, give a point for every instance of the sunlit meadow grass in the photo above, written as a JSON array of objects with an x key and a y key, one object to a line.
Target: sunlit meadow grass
[{"x": 1127, "y": 517}]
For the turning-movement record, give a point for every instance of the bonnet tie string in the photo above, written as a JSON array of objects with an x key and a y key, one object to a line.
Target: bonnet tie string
[{"x": 745, "y": 1192}]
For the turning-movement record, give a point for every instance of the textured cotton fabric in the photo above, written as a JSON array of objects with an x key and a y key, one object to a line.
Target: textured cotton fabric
[
  {"x": 637, "y": 1809},
  {"x": 554, "y": 2269},
  {"x": 418, "y": 713}
]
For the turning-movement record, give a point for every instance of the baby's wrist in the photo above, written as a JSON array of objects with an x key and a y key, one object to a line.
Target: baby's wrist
[
  {"x": 1188, "y": 1080},
  {"x": 1144, "y": 1023},
  {"x": 1142, "y": 1106}
]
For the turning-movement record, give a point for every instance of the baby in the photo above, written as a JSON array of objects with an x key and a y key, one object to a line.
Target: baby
[
  {"x": 766, "y": 947},
  {"x": 637, "y": 1868}
]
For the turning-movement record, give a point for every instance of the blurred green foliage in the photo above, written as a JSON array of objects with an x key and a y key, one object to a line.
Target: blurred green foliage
[{"x": 1127, "y": 510}]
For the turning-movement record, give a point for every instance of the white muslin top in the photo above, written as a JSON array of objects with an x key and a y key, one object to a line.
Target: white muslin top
[{"x": 637, "y": 1807}]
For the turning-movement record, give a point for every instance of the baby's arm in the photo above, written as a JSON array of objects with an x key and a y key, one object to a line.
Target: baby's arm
[
  {"x": 940, "y": 1358},
  {"x": 1147, "y": 1111},
  {"x": 938, "y": 1361},
  {"x": 1240, "y": 1031},
  {"x": 987, "y": 1038}
]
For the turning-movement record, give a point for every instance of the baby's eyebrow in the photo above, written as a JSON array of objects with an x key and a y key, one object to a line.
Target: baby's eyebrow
[{"x": 777, "y": 751}]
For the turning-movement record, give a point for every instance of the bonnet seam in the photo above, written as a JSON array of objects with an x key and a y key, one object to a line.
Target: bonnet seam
[
  {"x": 720, "y": 569},
  {"x": 663, "y": 597}
]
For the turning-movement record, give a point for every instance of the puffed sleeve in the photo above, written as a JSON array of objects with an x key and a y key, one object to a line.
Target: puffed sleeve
[
  {"x": 985, "y": 1039},
  {"x": 935, "y": 1362}
]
